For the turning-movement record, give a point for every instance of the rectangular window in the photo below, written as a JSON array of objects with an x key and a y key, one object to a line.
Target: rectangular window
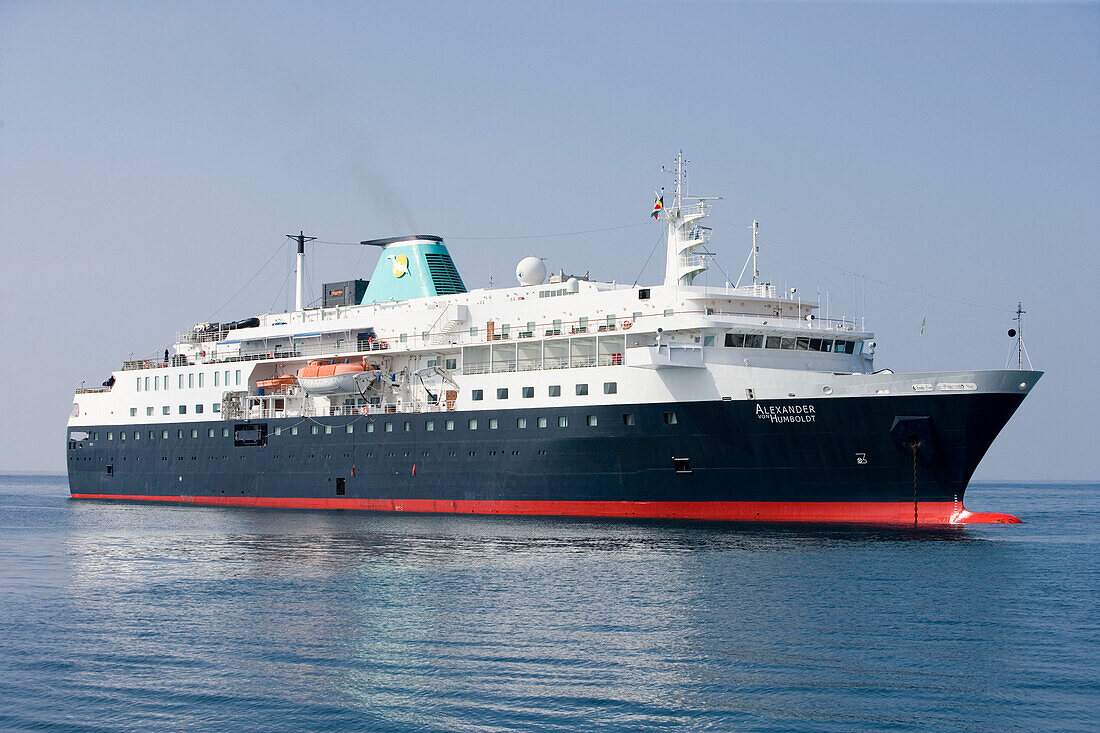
[
  {"x": 708, "y": 340},
  {"x": 238, "y": 377},
  {"x": 210, "y": 433},
  {"x": 137, "y": 435},
  {"x": 473, "y": 423},
  {"x": 629, "y": 419},
  {"x": 450, "y": 364},
  {"x": 216, "y": 407},
  {"x": 683, "y": 465},
  {"x": 198, "y": 409},
  {"x": 278, "y": 431},
  {"x": 152, "y": 435},
  {"x": 477, "y": 395},
  {"x": 137, "y": 386},
  {"x": 328, "y": 430},
  {"x": 670, "y": 418},
  {"x": 591, "y": 419},
  {"x": 473, "y": 332},
  {"x": 314, "y": 429},
  {"x": 349, "y": 428},
  {"x": 528, "y": 392},
  {"x": 582, "y": 389},
  {"x": 370, "y": 427},
  {"x": 636, "y": 316},
  {"x": 133, "y": 412},
  {"x": 563, "y": 421},
  {"x": 110, "y": 435},
  {"x": 521, "y": 422},
  {"x": 183, "y": 409},
  {"x": 226, "y": 377},
  {"x": 541, "y": 422},
  {"x": 555, "y": 390},
  {"x": 191, "y": 381},
  {"x": 611, "y": 321},
  {"x": 403, "y": 337},
  {"x": 610, "y": 387},
  {"x": 164, "y": 435},
  {"x": 194, "y": 432},
  {"x": 389, "y": 427},
  {"x": 165, "y": 410},
  {"x": 408, "y": 426},
  {"x": 148, "y": 411},
  {"x": 502, "y": 393},
  {"x": 493, "y": 423},
  {"x": 668, "y": 312},
  {"x": 449, "y": 425},
  {"x": 180, "y": 380},
  {"x": 216, "y": 380},
  {"x": 165, "y": 382},
  {"x": 429, "y": 426},
  {"x": 294, "y": 430},
  {"x": 179, "y": 433},
  {"x": 582, "y": 324},
  {"x": 156, "y": 383},
  {"x": 146, "y": 387},
  {"x": 122, "y": 435},
  {"x": 200, "y": 380},
  {"x": 773, "y": 342}
]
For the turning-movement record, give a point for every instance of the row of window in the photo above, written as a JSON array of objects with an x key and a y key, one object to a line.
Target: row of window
[
  {"x": 166, "y": 410},
  {"x": 554, "y": 390},
  {"x": 505, "y": 329},
  {"x": 792, "y": 343},
  {"x": 473, "y": 423},
  {"x": 195, "y": 379}
]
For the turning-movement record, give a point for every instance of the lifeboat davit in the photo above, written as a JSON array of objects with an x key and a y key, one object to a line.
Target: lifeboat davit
[{"x": 335, "y": 376}]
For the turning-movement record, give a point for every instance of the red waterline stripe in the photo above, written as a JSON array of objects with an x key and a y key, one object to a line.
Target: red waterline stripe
[{"x": 865, "y": 512}]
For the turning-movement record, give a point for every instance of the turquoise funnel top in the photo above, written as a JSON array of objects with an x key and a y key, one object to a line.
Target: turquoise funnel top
[{"x": 417, "y": 266}]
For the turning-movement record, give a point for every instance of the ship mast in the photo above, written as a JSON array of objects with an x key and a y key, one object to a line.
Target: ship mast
[
  {"x": 300, "y": 268},
  {"x": 684, "y": 236}
]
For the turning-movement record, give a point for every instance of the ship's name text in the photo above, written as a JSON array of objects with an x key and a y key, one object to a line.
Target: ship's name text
[{"x": 786, "y": 413}]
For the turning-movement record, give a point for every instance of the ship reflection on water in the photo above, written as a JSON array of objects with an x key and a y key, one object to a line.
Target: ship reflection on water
[{"x": 206, "y": 618}]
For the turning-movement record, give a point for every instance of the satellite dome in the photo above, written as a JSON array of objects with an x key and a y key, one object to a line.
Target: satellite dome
[{"x": 531, "y": 271}]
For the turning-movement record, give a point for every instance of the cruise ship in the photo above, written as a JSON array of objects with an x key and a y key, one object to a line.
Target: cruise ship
[{"x": 563, "y": 396}]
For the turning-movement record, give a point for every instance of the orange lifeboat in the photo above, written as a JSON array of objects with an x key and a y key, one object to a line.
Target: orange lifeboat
[
  {"x": 334, "y": 376},
  {"x": 277, "y": 382}
]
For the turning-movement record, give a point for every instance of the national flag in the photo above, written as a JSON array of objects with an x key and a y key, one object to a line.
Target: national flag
[
  {"x": 658, "y": 203},
  {"x": 922, "y": 322}
]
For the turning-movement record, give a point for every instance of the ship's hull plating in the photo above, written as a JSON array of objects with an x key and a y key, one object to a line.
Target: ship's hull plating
[{"x": 883, "y": 459}]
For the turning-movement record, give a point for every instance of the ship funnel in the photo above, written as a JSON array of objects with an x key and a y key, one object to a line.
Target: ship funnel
[{"x": 415, "y": 266}]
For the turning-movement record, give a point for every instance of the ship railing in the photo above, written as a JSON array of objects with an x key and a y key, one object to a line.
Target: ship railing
[
  {"x": 402, "y": 409},
  {"x": 92, "y": 390}
]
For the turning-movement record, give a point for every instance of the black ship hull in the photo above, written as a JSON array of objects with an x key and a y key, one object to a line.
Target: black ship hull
[{"x": 883, "y": 459}]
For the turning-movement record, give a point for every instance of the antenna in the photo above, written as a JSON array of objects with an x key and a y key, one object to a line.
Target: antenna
[
  {"x": 299, "y": 267},
  {"x": 755, "y": 252},
  {"x": 1018, "y": 332}
]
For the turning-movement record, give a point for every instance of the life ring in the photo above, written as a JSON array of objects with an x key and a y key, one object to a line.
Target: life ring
[{"x": 627, "y": 324}]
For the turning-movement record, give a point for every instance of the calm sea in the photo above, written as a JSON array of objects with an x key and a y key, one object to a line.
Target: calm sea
[{"x": 137, "y": 617}]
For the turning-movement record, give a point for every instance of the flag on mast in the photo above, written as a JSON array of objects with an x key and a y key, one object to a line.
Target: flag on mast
[
  {"x": 658, "y": 203},
  {"x": 922, "y": 322}
]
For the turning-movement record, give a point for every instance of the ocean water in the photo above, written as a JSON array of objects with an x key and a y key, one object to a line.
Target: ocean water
[{"x": 118, "y": 617}]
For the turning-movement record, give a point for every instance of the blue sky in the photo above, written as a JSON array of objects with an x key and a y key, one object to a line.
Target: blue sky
[{"x": 909, "y": 159}]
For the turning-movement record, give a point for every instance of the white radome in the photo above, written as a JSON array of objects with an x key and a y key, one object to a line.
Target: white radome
[{"x": 531, "y": 271}]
